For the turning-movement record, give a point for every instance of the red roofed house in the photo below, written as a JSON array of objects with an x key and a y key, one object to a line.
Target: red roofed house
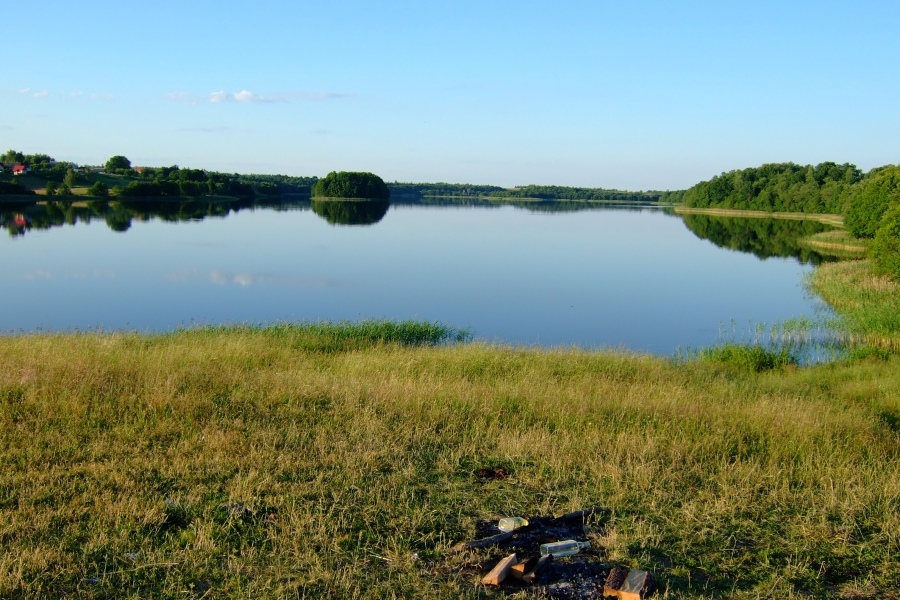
[{"x": 19, "y": 169}]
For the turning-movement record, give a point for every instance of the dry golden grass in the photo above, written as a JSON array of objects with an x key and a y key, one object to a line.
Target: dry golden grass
[
  {"x": 256, "y": 463},
  {"x": 827, "y": 219}
]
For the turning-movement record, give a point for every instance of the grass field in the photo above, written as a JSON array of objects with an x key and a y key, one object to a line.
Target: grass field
[{"x": 342, "y": 461}]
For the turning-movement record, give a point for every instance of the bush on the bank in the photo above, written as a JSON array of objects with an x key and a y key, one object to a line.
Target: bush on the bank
[
  {"x": 885, "y": 249},
  {"x": 877, "y": 194}
]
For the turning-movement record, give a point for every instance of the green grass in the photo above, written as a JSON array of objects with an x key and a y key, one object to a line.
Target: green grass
[
  {"x": 341, "y": 461},
  {"x": 868, "y": 304},
  {"x": 753, "y": 358}
]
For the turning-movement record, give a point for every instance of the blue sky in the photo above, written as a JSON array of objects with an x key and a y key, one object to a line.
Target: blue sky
[{"x": 630, "y": 95}]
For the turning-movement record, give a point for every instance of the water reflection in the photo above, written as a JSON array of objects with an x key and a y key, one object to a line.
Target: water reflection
[
  {"x": 351, "y": 212},
  {"x": 764, "y": 238},
  {"x": 119, "y": 214},
  {"x": 486, "y": 269}
]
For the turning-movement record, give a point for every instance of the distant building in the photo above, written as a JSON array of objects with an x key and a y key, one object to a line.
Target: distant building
[{"x": 19, "y": 169}]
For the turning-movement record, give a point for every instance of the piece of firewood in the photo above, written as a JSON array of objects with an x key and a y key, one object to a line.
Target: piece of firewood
[
  {"x": 518, "y": 571},
  {"x": 488, "y": 541},
  {"x": 498, "y": 573},
  {"x": 538, "y": 567},
  {"x": 614, "y": 581},
  {"x": 637, "y": 585}
]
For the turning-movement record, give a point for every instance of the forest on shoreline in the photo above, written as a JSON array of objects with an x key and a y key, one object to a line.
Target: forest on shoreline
[{"x": 868, "y": 202}]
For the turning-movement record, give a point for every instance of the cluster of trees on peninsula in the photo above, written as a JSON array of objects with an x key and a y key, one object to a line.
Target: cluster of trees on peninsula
[
  {"x": 351, "y": 184},
  {"x": 779, "y": 187},
  {"x": 870, "y": 202}
]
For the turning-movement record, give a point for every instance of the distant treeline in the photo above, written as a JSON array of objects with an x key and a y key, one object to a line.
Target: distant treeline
[
  {"x": 424, "y": 190},
  {"x": 175, "y": 181},
  {"x": 541, "y": 192},
  {"x": 556, "y": 192}
]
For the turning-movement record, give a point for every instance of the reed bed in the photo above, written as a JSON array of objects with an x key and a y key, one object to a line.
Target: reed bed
[
  {"x": 278, "y": 463},
  {"x": 869, "y": 304}
]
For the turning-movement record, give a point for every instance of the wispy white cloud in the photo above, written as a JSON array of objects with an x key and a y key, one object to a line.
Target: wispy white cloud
[
  {"x": 27, "y": 91},
  {"x": 75, "y": 94},
  {"x": 242, "y": 96},
  {"x": 248, "y": 97}
]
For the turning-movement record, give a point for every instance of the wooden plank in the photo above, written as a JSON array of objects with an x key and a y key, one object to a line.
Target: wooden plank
[
  {"x": 518, "y": 571},
  {"x": 499, "y": 572},
  {"x": 538, "y": 567},
  {"x": 614, "y": 581},
  {"x": 637, "y": 584}
]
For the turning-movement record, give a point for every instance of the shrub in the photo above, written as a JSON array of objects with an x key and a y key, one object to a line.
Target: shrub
[
  {"x": 878, "y": 193},
  {"x": 885, "y": 249}
]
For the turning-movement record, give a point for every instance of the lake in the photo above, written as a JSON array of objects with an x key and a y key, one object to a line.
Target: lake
[{"x": 550, "y": 274}]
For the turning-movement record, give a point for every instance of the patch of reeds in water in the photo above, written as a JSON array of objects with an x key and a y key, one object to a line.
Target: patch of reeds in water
[
  {"x": 868, "y": 304},
  {"x": 327, "y": 336},
  {"x": 759, "y": 347}
]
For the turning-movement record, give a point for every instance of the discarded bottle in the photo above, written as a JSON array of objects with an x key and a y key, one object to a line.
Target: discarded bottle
[
  {"x": 563, "y": 548},
  {"x": 508, "y": 524}
]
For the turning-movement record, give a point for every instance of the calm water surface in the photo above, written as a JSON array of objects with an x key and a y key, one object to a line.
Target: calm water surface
[{"x": 636, "y": 279}]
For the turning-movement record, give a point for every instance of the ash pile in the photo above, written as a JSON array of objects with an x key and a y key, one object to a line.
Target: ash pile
[{"x": 551, "y": 557}]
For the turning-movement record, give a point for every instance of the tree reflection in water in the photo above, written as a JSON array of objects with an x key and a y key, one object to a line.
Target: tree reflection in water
[
  {"x": 351, "y": 211},
  {"x": 763, "y": 238},
  {"x": 119, "y": 214}
]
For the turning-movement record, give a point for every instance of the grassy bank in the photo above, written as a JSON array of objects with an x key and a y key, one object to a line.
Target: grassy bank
[
  {"x": 827, "y": 219},
  {"x": 869, "y": 304},
  {"x": 294, "y": 462}
]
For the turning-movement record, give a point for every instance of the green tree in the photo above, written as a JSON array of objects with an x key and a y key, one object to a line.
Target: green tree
[
  {"x": 885, "y": 248},
  {"x": 99, "y": 189},
  {"x": 71, "y": 177},
  {"x": 118, "y": 163},
  {"x": 350, "y": 184},
  {"x": 50, "y": 190},
  {"x": 64, "y": 190},
  {"x": 12, "y": 156},
  {"x": 879, "y": 192}
]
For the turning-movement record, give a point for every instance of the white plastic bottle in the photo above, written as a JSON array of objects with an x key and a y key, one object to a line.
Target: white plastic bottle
[
  {"x": 508, "y": 524},
  {"x": 563, "y": 548}
]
